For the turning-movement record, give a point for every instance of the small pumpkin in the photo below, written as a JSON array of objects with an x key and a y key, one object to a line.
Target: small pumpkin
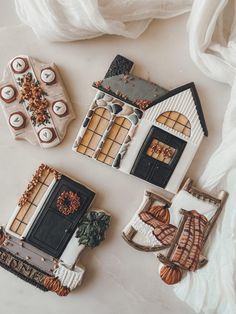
[
  {"x": 63, "y": 291},
  {"x": 2, "y": 237},
  {"x": 56, "y": 285},
  {"x": 170, "y": 274},
  {"x": 161, "y": 213},
  {"x": 48, "y": 282}
]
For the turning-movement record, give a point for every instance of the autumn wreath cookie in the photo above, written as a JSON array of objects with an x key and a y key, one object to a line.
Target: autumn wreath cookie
[{"x": 35, "y": 102}]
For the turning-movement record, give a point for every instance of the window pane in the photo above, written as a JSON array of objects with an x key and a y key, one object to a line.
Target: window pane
[
  {"x": 114, "y": 140},
  {"x": 114, "y": 131},
  {"x": 22, "y": 212},
  {"x": 29, "y": 214},
  {"x": 176, "y": 121},
  {"x": 96, "y": 128},
  {"x": 161, "y": 151},
  {"x": 15, "y": 225},
  {"x": 26, "y": 212},
  {"x": 87, "y": 137},
  {"x": 107, "y": 145},
  {"x": 21, "y": 229},
  {"x": 94, "y": 122}
]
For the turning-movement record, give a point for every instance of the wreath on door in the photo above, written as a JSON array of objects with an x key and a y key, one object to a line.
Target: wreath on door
[{"x": 68, "y": 202}]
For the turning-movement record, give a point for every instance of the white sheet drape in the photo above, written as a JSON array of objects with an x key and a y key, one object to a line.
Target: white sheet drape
[
  {"x": 212, "y": 42},
  {"x": 67, "y": 20}
]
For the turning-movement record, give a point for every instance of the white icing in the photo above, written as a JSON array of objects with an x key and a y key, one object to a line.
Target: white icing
[
  {"x": 18, "y": 65},
  {"x": 59, "y": 108},
  {"x": 187, "y": 201},
  {"x": 45, "y": 135},
  {"x": 16, "y": 120},
  {"x": 71, "y": 252},
  {"x": 48, "y": 75},
  {"x": 144, "y": 229},
  {"x": 7, "y": 92},
  {"x": 69, "y": 278}
]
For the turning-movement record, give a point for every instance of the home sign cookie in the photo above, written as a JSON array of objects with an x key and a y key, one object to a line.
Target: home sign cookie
[{"x": 49, "y": 229}]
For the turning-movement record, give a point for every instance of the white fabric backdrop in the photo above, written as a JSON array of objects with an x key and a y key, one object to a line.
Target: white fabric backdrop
[{"x": 212, "y": 42}]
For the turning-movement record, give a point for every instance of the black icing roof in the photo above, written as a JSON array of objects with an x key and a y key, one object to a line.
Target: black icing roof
[{"x": 138, "y": 92}]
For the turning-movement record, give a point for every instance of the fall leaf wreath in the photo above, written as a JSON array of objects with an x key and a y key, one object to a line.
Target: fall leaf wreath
[{"x": 68, "y": 202}]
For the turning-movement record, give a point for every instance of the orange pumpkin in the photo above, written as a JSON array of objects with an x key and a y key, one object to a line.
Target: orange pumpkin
[
  {"x": 170, "y": 274},
  {"x": 48, "y": 282},
  {"x": 63, "y": 291},
  {"x": 53, "y": 284},
  {"x": 2, "y": 238},
  {"x": 56, "y": 285},
  {"x": 161, "y": 213}
]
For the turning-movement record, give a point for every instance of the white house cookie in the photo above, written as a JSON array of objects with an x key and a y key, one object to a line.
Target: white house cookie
[{"x": 142, "y": 129}]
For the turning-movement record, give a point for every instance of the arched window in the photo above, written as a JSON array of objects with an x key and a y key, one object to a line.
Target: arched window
[
  {"x": 95, "y": 130},
  {"x": 176, "y": 121},
  {"x": 114, "y": 140}
]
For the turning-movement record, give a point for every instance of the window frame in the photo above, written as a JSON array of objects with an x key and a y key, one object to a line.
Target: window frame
[
  {"x": 114, "y": 140},
  {"x": 34, "y": 215},
  {"x": 94, "y": 132},
  {"x": 167, "y": 116}
]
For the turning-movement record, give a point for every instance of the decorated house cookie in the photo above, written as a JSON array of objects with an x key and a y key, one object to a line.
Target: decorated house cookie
[
  {"x": 35, "y": 102},
  {"x": 176, "y": 227},
  {"x": 49, "y": 229},
  {"x": 141, "y": 128}
]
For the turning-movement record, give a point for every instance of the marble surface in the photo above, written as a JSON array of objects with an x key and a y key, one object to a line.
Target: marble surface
[{"x": 118, "y": 278}]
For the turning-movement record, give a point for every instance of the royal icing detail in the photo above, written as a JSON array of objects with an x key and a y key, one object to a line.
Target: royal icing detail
[
  {"x": 175, "y": 229},
  {"x": 60, "y": 108},
  {"x": 141, "y": 128},
  {"x": 17, "y": 120},
  {"x": 46, "y": 135},
  {"x": 8, "y": 93},
  {"x": 58, "y": 207},
  {"x": 19, "y": 65},
  {"x": 36, "y": 90},
  {"x": 48, "y": 76}
]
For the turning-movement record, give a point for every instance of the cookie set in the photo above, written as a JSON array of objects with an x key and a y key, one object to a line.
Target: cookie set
[{"x": 133, "y": 125}]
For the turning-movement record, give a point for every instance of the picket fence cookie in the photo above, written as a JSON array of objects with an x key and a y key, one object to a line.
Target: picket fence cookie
[
  {"x": 177, "y": 227},
  {"x": 49, "y": 229},
  {"x": 142, "y": 129},
  {"x": 34, "y": 101}
]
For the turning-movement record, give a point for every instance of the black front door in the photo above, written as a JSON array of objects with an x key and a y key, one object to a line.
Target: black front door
[
  {"x": 158, "y": 157},
  {"x": 52, "y": 229}
]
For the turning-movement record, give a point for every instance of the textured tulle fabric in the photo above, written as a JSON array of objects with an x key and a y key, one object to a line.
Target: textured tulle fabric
[
  {"x": 67, "y": 20},
  {"x": 212, "y": 42}
]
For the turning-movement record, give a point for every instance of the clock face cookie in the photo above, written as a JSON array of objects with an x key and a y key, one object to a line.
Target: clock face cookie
[
  {"x": 48, "y": 231},
  {"x": 141, "y": 128},
  {"x": 35, "y": 101}
]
